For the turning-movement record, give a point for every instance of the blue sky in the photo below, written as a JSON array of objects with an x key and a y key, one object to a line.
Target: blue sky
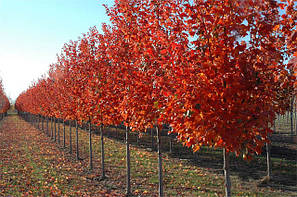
[{"x": 32, "y": 32}]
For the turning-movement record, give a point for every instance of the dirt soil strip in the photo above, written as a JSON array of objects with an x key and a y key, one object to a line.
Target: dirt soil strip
[{"x": 31, "y": 165}]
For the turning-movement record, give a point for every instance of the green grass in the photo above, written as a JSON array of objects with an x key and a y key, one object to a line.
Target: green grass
[
  {"x": 186, "y": 177},
  {"x": 52, "y": 169}
]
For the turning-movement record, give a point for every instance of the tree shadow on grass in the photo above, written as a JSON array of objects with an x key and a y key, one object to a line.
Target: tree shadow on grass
[{"x": 284, "y": 159}]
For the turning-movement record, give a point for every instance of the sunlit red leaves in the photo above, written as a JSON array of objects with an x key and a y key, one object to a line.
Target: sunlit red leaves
[{"x": 213, "y": 71}]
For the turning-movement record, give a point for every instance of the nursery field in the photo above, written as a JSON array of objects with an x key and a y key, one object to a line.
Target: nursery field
[{"x": 32, "y": 164}]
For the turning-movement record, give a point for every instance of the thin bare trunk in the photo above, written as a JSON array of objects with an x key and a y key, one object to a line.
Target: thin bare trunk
[
  {"x": 90, "y": 147},
  {"x": 227, "y": 173},
  {"x": 58, "y": 131},
  {"x": 128, "y": 180},
  {"x": 64, "y": 138},
  {"x": 268, "y": 159},
  {"x": 47, "y": 126},
  {"x": 55, "y": 125},
  {"x": 160, "y": 169},
  {"x": 102, "y": 154},
  {"x": 70, "y": 137},
  {"x": 77, "y": 148},
  {"x": 291, "y": 116}
]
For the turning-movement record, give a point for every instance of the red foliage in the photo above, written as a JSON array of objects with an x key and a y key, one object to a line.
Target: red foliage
[
  {"x": 213, "y": 70},
  {"x": 4, "y": 102}
]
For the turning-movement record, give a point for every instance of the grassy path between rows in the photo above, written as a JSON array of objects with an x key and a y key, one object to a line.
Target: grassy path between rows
[
  {"x": 33, "y": 165},
  {"x": 30, "y": 165}
]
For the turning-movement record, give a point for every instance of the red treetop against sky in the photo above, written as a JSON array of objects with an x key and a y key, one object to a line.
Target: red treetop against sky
[{"x": 215, "y": 71}]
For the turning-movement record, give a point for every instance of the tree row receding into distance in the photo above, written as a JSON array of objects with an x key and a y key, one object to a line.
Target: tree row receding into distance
[
  {"x": 215, "y": 71},
  {"x": 4, "y": 102}
]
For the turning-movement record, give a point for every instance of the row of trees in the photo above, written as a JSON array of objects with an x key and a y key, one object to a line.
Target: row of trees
[
  {"x": 215, "y": 71},
  {"x": 4, "y": 102}
]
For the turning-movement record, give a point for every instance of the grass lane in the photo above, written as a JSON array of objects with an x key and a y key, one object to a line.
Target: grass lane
[{"x": 32, "y": 164}]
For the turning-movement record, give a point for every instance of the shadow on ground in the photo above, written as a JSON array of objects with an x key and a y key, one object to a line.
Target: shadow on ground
[{"x": 284, "y": 160}]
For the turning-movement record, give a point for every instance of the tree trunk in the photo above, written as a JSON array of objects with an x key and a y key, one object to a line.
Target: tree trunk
[
  {"x": 279, "y": 117},
  {"x": 58, "y": 131},
  {"x": 128, "y": 181},
  {"x": 152, "y": 139},
  {"x": 37, "y": 121},
  {"x": 296, "y": 119},
  {"x": 90, "y": 147},
  {"x": 291, "y": 116},
  {"x": 102, "y": 154},
  {"x": 295, "y": 114},
  {"x": 137, "y": 139},
  {"x": 195, "y": 155},
  {"x": 77, "y": 149},
  {"x": 160, "y": 169},
  {"x": 55, "y": 125},
  {"x": 170, "y": 144},
  {"x": 52, "y": 129},
  {"x": 42, "y": 126},
  {"x": 117, "y": 133},
  {"x": 274, "y": 128},
  {"x": 268, "y": 159},
  {"x": 227, "y": 173},
  {"x": 70, "y": 137},
  {"x": 47, "y": 126},
  {"x": 64, "y": 140}
]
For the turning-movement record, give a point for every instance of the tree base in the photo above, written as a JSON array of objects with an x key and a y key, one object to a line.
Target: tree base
[{"x": 265, "y": 180}]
